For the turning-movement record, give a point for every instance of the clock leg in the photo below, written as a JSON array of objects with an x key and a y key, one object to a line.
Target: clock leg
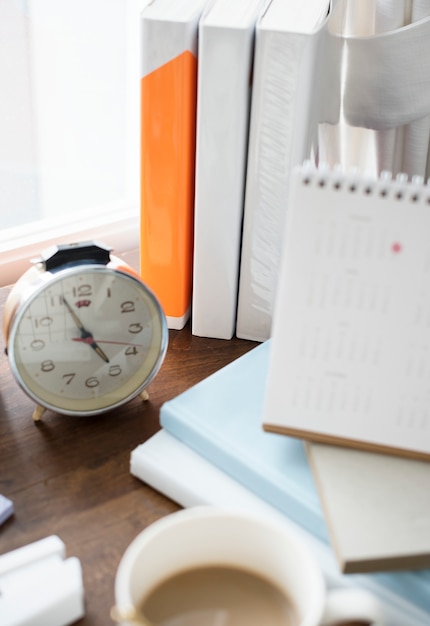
[
  {"x": 144, "y": 395},
  {"x": 38, "y": 412}
]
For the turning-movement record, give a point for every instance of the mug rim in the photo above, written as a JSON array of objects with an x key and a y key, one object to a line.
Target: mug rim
[{"x": 123, "y": 596}]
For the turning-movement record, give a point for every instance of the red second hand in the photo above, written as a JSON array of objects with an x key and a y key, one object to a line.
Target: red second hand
[{"x": 91, "y": 340}]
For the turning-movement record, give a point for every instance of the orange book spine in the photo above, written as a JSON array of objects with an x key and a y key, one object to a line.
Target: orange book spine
[{"x": 168, "y": 128}]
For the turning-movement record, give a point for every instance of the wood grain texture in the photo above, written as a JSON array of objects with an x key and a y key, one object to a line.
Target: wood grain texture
[{"x": 69, "y": 476}]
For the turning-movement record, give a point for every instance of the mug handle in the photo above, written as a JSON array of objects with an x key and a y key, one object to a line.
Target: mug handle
[{"x": 353, "y": 604}]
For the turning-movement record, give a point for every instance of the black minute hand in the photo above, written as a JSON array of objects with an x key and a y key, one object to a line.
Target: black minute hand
[{"x": 86, "y": 336}]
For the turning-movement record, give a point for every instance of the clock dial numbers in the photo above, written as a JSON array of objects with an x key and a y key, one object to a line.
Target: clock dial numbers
[
  {"x": 47, "y": 366},
  {"x": 82, "y": 291},
  {"x": 88, "y": 340},
  {"x": 128, "y": 306},
  {"x": 37, "y": 344}
]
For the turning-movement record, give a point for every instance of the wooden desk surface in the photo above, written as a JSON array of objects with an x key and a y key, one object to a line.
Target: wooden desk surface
[{"x": 70, "y": 476}]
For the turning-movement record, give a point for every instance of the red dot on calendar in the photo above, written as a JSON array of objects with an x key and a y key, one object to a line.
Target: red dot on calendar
[{"x": 396, "y": 247}]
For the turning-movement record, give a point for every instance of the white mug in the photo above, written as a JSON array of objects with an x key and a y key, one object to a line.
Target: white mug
[{"x": 210, "y": 535}]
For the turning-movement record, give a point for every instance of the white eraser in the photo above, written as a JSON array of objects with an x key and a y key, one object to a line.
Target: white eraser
[
  {"x": 43, "y": 591},
  {"x": 30, "y": 553}
]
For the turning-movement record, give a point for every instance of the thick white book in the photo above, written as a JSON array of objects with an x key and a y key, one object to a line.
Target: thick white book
[
  {"x": 289, "y": 40},
  {"x": 226, "y": 50},
  {"x": 349, "y": 361},
  {"x": 173, "y": 469}
]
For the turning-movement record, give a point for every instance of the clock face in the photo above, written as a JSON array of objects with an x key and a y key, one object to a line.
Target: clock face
[{"x": 90, "y": 339}]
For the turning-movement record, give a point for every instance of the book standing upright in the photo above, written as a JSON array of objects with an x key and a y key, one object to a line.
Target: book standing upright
[
  {"x": 226, "y": 49},
  {"x": 168, "y": 118},
  {"x": 285, "y": 91}
]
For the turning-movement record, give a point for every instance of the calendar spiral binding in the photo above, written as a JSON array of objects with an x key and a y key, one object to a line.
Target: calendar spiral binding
[{"x": 354, "y": 180}]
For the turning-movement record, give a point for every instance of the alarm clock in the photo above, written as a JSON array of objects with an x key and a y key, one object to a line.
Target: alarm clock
[{"x": 83, "y": 333}]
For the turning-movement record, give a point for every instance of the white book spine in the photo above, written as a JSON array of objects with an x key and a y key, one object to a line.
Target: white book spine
[
  {"x": 224, "y": 87},
  {"x": 281, "y": 135}
]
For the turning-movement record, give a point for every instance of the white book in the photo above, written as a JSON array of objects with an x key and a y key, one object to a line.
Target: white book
[
  {"x": 349, "y": 361},
  {"x": 169, "y": 466},
  {"x": 289, "y": 37},
  {"x": 226, "y": 49}
]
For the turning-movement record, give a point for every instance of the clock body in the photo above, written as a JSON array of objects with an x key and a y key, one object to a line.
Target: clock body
[{"x": 84, "y": 337}]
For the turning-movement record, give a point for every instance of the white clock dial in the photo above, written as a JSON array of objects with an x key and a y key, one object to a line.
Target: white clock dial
[{"x": 88, "y": 340}]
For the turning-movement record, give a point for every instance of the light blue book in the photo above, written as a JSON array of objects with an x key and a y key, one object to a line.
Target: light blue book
[{"x": 220, "y": 419}]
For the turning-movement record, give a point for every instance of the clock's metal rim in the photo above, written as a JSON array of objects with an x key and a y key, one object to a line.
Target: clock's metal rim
[{"x": 33, "y": 291}]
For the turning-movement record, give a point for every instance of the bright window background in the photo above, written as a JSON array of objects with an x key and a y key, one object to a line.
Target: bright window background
[{"x": 69, "y": 128}]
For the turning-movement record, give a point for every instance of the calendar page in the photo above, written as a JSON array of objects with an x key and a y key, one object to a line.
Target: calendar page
[{"x": 350, "y": 356}]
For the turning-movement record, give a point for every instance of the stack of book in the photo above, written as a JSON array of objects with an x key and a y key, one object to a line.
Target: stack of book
[
  {"x": 212, "y": 450},
  {"x": 218, "y": 139},
  {"x": 220, "y": 136}
]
